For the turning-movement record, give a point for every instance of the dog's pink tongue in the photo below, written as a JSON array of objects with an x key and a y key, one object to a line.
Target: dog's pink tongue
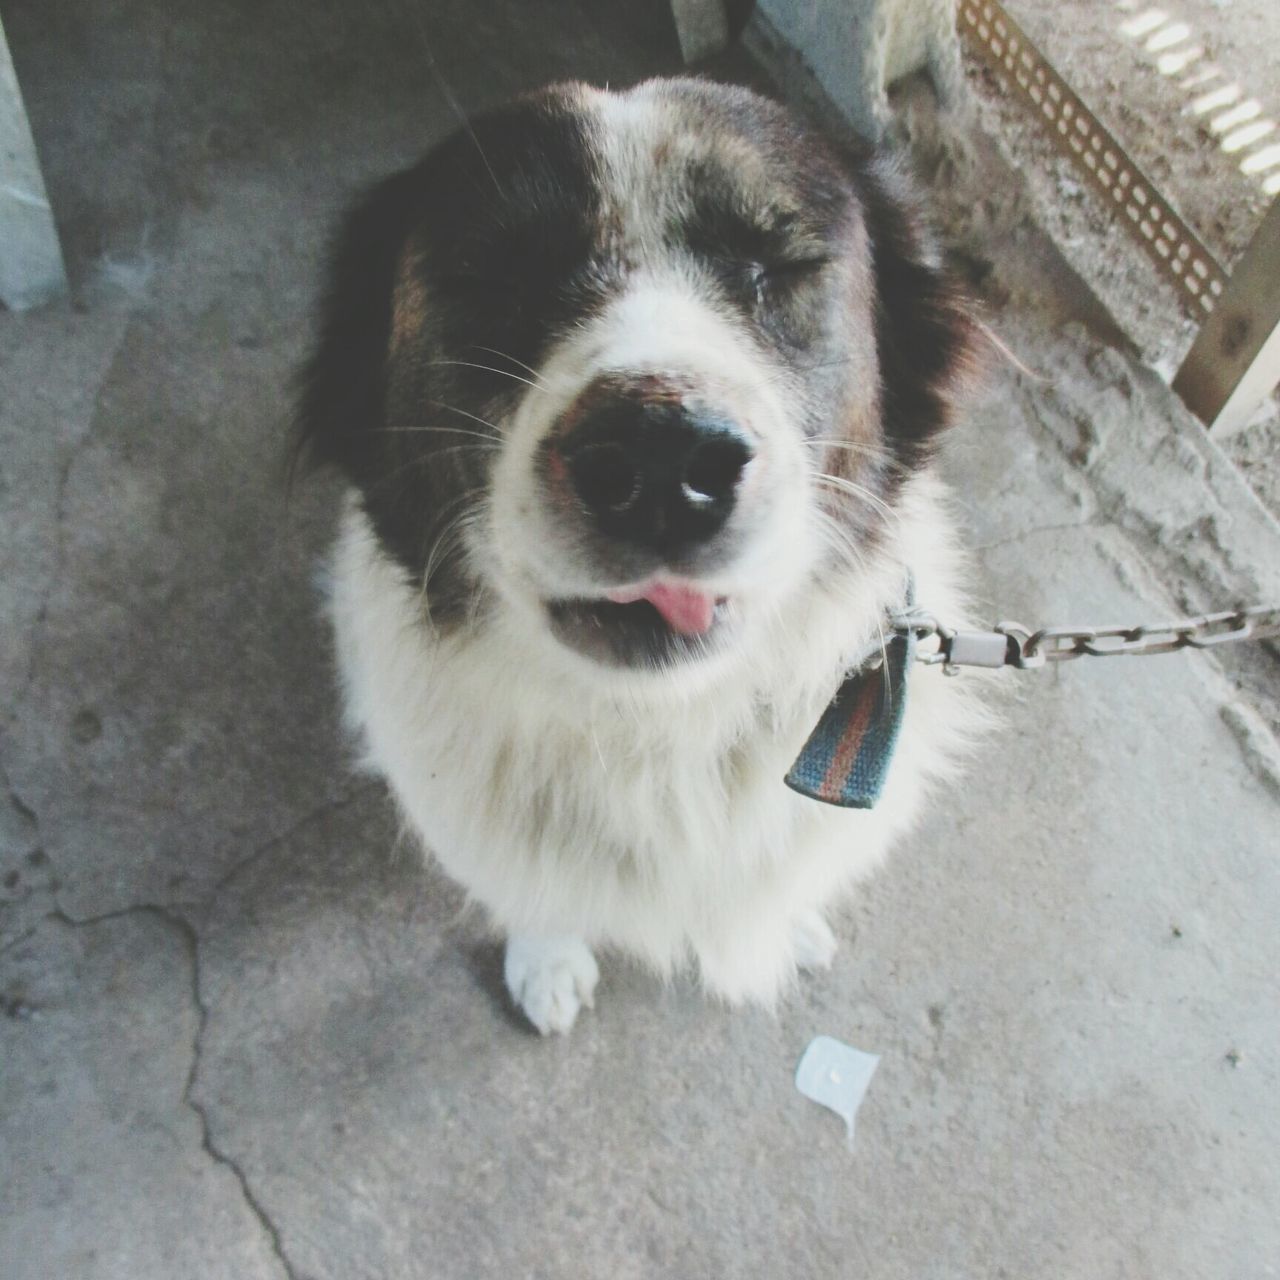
[{"x": 685, "y": 610}]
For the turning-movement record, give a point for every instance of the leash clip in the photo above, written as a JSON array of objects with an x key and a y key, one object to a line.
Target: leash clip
[
  {"x": 989, "y": 649},
  {"x": 1022, "y": 651},
  {"x": 1003, "y": 646}
]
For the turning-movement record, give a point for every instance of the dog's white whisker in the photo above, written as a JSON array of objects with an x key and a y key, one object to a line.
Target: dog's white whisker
[
  {"x": 484, "y": 422},
  {"x": 857, "y": 446},
  {"x": 840, "y": 540},
  {"x": 442, "y": 544},
  {"x": 857, "y": 491},
  {"x": 876, "y": 456},
  {"x": 1004, "y": 350},
  {"x": 415, "y": 18},
  {"x": 439, "y": 549},
  {"x": 503, "y": 355},
  {"x": 491, "y": 441},
  {"x": 488, "y": 368},
  {"x": 423, "y": 463}
]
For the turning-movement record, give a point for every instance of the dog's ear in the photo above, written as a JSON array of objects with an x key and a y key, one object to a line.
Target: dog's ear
[
  {"x": 343, "y": 385},
  {"x": 924, "y": 327}
]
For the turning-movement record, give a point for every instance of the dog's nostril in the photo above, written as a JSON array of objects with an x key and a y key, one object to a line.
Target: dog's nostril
[
  {"x": 651, "y": 471},
  {"x": 605, "y": 478},
  {"x": 713, "y": 470}
]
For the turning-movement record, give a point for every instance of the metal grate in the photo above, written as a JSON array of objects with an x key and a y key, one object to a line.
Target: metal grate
[{"x": 1023, "y": 70}]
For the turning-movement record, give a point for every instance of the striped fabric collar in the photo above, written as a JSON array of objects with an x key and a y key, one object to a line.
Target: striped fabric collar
[{"x": 846, "y": 759}]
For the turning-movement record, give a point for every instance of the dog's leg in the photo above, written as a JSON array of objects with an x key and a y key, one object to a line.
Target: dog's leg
[
  {"x": 813, "y": 944},
  {"x": 550, "y": 978},
  {"x": 759, "y": 958}
]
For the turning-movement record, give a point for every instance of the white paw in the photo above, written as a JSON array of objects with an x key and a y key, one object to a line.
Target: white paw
[
  {"x": 550, "y": 979},
  {"x": 812, "y": 943}
]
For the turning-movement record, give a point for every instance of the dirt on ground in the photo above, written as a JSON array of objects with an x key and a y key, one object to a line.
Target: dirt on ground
[{"x": 1150, "y": 113}]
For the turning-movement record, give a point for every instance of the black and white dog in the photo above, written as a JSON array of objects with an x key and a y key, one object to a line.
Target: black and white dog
[{"x": 636, "y": 394}]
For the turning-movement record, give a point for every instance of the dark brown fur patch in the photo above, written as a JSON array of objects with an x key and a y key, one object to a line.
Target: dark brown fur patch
[
  {"x": 471, "y": 249},
  {"x": 924, "y": 327}
]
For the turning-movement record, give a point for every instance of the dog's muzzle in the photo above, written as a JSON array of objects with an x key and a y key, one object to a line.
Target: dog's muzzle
[{"x": 648, "y": 475}]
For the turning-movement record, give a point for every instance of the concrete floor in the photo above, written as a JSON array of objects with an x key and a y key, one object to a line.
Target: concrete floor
[
  {"x": 247, "y": 1035},
  {"x": 1178, "y": 151}
]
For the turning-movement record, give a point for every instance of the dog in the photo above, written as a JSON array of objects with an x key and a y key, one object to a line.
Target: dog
[{"x": 637, "y": 397}]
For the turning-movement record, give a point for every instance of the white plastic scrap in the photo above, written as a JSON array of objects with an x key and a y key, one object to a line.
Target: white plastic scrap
[{"x": 836, "y": 1076}]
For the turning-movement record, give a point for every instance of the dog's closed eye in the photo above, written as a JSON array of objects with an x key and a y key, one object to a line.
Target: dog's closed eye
[{"x": 786, "y": 274}]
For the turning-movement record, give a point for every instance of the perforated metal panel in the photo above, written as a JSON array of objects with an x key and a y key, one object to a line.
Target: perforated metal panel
[{"x": 1024, "y": 72}]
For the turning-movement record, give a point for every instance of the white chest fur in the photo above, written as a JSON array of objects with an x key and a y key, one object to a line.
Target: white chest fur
[{"x": 625, "y": 811}]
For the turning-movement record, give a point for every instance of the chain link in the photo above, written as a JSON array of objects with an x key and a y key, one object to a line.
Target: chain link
[{"x": 1009, "y": 644}]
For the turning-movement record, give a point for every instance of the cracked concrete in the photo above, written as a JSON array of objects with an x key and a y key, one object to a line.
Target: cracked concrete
[
  {"x": 211, "y": 1149},
  {"x": 274, "y": 1044},
  {"x": 103, "y": 1154}
]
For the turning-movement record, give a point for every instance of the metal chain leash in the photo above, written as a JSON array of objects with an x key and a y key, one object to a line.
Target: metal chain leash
[{"x": 1009, "y": 644}]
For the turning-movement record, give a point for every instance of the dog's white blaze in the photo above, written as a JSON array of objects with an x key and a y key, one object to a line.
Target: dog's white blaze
[
  {"x": 664, "y": 324},
  {"x": 627, "y": 127}
]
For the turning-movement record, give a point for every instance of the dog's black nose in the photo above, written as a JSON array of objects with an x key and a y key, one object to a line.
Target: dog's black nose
[{"x": 655, "y": 472}]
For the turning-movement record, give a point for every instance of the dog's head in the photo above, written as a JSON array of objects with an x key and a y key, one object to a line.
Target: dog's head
[{"x": 631, "y": 368}]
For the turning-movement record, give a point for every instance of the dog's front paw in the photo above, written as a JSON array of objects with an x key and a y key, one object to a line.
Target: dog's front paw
[
  {"x": 550, "y": 979},
  {"x": 813, "y": 944}
]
